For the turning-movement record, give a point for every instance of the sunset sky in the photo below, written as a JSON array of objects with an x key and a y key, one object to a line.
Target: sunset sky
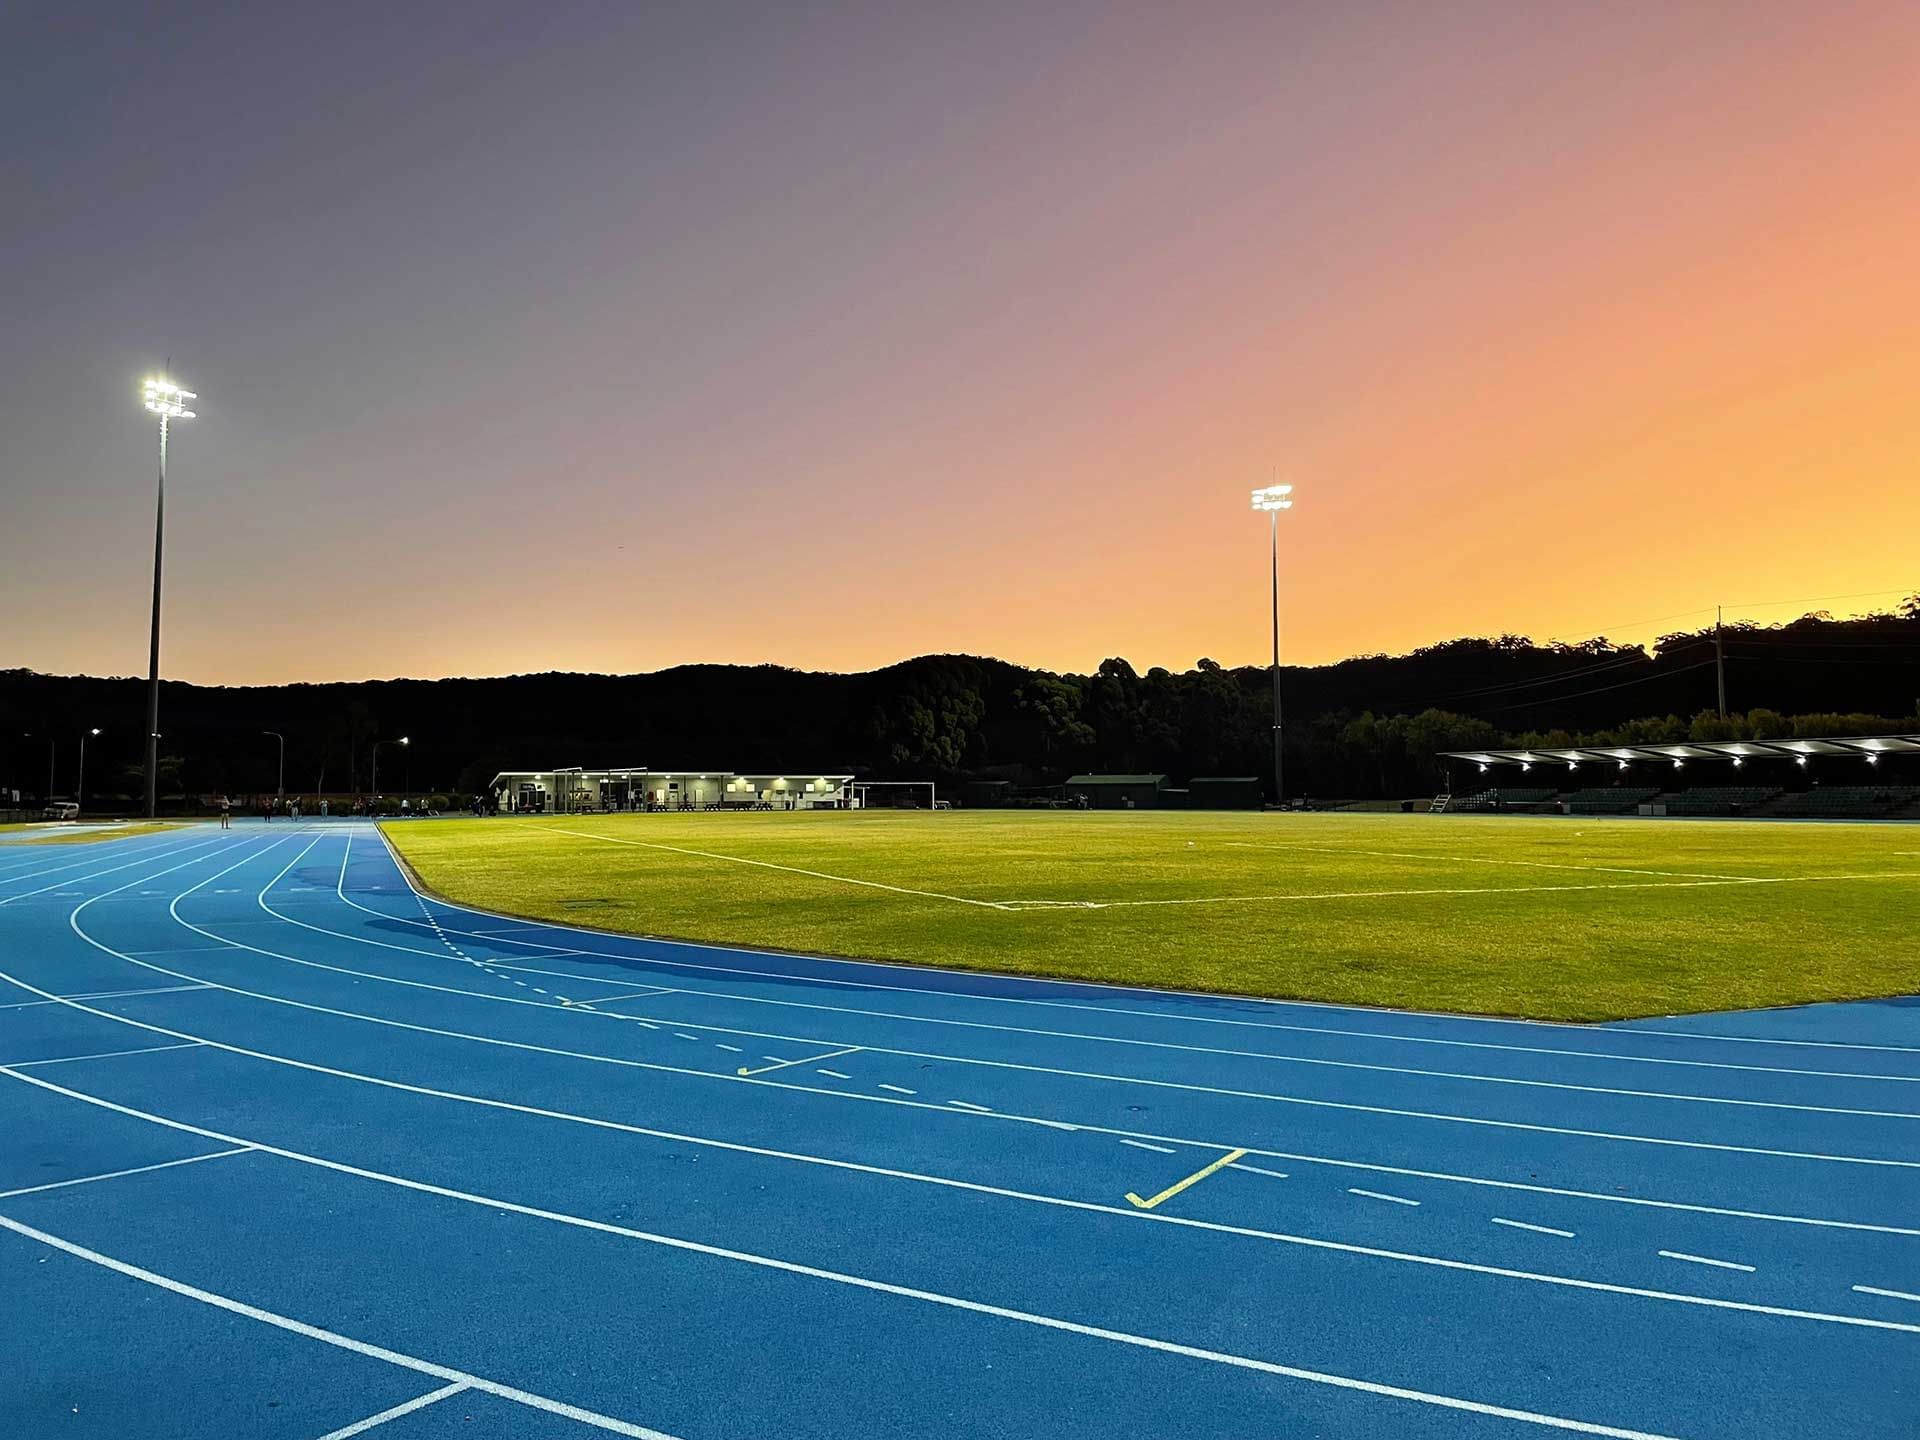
[{"x": 614, "y": 336}]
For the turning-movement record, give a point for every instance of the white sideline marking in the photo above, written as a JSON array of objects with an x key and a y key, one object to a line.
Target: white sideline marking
[
  {"x": 344, "y": 1342},
  {"x": 1256, "y": 1170},
  {"x": 1379, "y": 1195},
  {"x": 102, "y": 1055},
  {"x": 833, "y": 1074},
  {"x": 1143, "y": 1145},
  {"x": 1537, "y": 1229},
  {"x": 1481, "y": 860},
  {"x": 1704, "y": 1260},
  {"x": 405, "y": 1407},
  {"x": 1890, "y": 1294},
  {"x": 144, "y": 859},
  {"x": 906, "y": 1292},
  {"x": 682, "y": 1035},
  {"x": 975, "y": 1187},
  {"x": 899, "y": 1089},
  {"x": 769, "y": 865},
  {"x": 969, "y": 1105},
  {"x": 116, "y": 1174},
  {"x": 117, "y": 994}
]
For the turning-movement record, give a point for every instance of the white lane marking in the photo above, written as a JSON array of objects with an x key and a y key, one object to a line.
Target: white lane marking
[
  {"x": 117, "y": 994},
  {"x": 1381, "y": 1195},
  {"x": 645, "y": 992},
  {"x": 405, "y": 1407},
  {"x": 1537, "y": 1229},
  {"x": 101, "y": 1055},
  {"x": 969, "y": 1105},
  {"x": 970, "y": 1186},
  {"x": 188, "y": 844},
  {"x": 173, "y": 909},
  {"x": 789, "y": 869},
  {"x": 682, "y": 1035},
  {"x": 1256, "y": 1170},
  {"x": 833, "y": 1074},
  {"x": 343, "y": 1342},
  {"x": 128, "y": 865},
  {"x": 1704, "y": 1260},
  {"x": 899, "y": 1089},
  {"x": 767, "y": 1262},
  {"x": 904, "y": 968},
  {"x": 117, "y": 1174},
  {"x": 734, "y": 1048},
  {"x": 1143, "y": 1145},
  {"x": 1889, "y": 1294}
]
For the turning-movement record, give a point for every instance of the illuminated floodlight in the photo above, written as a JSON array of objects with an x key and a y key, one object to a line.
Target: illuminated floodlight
[
  {"x": 1738, "y": 762},
  {"x": 1800, "y": 760},
  {"x": 1678, "y": 763},
  {"x": 1623, "y": 764},
  {"x": 1483, "y": 769},
  {"x": 167, "y": 399},
  {"x": 1273, "y": 497},
  {"x": 1872, "y": 759}
]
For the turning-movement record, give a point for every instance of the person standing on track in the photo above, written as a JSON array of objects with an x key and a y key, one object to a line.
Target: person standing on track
[{"x": 226, "y": 813}]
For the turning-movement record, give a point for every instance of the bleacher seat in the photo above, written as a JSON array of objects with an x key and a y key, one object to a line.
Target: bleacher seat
[
  {"x": 1720, "y": 799},
  {"x": 1609, "y": 799}
]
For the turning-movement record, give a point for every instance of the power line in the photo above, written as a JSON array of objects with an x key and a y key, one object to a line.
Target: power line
[{"x": 1600, "y": 690}]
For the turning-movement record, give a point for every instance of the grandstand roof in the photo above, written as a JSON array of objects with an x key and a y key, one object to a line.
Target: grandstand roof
[{"x": 1671, "y": 752}]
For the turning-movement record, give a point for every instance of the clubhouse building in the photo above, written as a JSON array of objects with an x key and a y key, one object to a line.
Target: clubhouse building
[{"x": 573, "y": 790}]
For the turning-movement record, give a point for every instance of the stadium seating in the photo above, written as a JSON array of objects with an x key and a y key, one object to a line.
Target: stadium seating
[
  {"x": 1507, "y": 797},
  {"x": 1847, "y": 802},
  {"x": 1719, "y": 799},
  {"x": 1609, "y": 799}
]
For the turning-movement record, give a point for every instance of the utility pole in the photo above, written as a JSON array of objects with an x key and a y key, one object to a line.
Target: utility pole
[{"x": 1719, "y": 662}]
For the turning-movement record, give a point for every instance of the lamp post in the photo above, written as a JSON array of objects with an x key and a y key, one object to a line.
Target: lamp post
[
  {"x": 403, "y": 742},
  {"x": 167, "y": 400},
  {"x": 1273, "y": 499},
  {"x": 280, "y": 775},
  {"x": 80, "y": 780}
]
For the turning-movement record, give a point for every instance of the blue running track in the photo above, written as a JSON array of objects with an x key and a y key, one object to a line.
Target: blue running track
[{"x": 288, "y": 1150}]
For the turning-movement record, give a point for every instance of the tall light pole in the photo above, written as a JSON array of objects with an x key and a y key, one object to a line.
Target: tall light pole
[
  {"x": 402, "y": 741},
  {"x": 80, "y": 780},
  {"x": 1273, "y": 499},
  {"x": 168, "y": 401},
  {"x": 280, "y": 782}
]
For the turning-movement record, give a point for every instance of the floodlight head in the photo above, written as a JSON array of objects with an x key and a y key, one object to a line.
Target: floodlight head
[
  {"x": 166, "y": 399},
  {"x": 1738, "y": 762},
  {"x": 1273, "y": 497},
  {"x": 404, "y": 740},
  {"x": 94, "y": 731},
  {"x": 1871, "y": 759},
  {"x": 1800, "y": 760}
]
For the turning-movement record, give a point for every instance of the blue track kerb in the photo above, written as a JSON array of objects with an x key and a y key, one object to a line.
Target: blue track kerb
[{"x": 292, "y": 1150}]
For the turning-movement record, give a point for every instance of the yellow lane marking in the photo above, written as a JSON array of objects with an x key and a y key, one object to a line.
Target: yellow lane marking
[
  {"x": 1193, "y": 1179},
  {"x": 808, "y": 1060}
]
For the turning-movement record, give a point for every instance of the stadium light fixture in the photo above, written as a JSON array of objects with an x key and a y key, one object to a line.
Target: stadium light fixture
[
  {"x": 1800, "y": 760},
  {"x": 169, "y": 401},
  {"x": 1273, "y": 499},
  {"x": 403, "y": 741},
  {"x": 1872, "y": 759},
  {"x": 1738, "y": 762},
  {"x": 80, "y": 780}
]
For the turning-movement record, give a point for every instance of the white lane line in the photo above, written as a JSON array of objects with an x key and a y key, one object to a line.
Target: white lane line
[
  {"x": 118, "y": 994},
  {"x": 649, "y": 992},
  {"x": 1537, "y": 1229},
  {"x": 116, "y": 1174},
  {"x": 111, "y": 869},
  {"x": 1256, "y": 1170},
  {"x": 102, "y": 1055},
  {"x": 899, "y": 1089},
  {"x": 1381, "y": 1195},
  {"x": 833, "y": 1074},
  {"x": 734, "y": 1048},
  {"x": 406, "y": 1407},
  {"x": 947, "y": 1182},
  {"x": 682, "y": 1035},
  {"x": 969, "y": 1105},
  {"x": 1704, "y": 1260},
  {"x": 789, "y": 869},
  {"x": 343, "y": 1342},
  {"x": 903, "y": 968},
  {"x": 1890, "y": 1294},
  {"x": 767, "y": 1262},
  {"x": 1143, "y": 1145}
]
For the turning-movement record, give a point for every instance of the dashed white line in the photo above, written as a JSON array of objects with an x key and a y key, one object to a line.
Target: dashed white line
[
  {"x": 1537, "y": 1229},
  {"x": 1704, "y": 1260},
  {"x": 405, "y": 1407},
  {"x": 116, "y": 1174},
  {"x": 104, "y": 1054},
  {"x": 833, "y": 1074},
  {"x": 1382, "y": 1195},
  {"x": 899, "y": 1090},
  {"x": 1890, "y": 1294},
  {"x": 1143, "y": 1145},
  {"x": 1256, "y": 1170},
  {"x": 734, "y": 1048},
  {"x": 969, "y": 1105},
  {"x": 682, "y": 1035}
]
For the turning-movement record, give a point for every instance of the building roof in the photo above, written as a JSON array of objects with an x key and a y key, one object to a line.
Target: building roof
[
  {"x": 1116, "y": 779},
  {"x": 1674, "y": 752}
]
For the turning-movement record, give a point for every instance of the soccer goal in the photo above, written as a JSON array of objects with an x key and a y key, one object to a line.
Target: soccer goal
[{"x": 897, "y": 795}]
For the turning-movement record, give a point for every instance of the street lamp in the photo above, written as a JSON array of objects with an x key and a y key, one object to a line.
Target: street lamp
[
  {"x": 280, "y": 783},
  {"x": 167, "y": 400},
  {"x": 403, "y": 741},
  {"x": 1273, "y": 499},
  {"x": 80, "y": 780}
]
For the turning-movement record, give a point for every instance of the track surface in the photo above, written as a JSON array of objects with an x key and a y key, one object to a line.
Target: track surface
[{"x": 288, "y": 1150}]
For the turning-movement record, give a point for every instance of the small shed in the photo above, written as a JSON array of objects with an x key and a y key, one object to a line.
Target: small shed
[
  {"x": 1117, "y": 792},
  {"x": 1224, "y": 792}
]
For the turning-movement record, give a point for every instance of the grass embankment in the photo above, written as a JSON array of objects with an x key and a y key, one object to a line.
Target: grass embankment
[{"x": 1550, "y": 918}]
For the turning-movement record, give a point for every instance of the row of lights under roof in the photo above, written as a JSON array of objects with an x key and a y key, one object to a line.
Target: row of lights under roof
[{"x": 1738, "y": 761}]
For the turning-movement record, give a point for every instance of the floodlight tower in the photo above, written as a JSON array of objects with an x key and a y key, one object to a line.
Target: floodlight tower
[
  {"x": 1273, "y": 499},
  {"x": 169, "y": 402}
]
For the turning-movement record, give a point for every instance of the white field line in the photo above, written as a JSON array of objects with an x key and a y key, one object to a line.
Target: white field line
[
  {"x": 343, "y": 1342},
  {"x": 405, "y": 1407},
  {"x": 98, "y": 1055},
  {"x": 1889, "y": 1294},
  {"x": 899, "y": 1090},
  {"x": 117, "y": 1174},
  {"x": 114, "y": 994},
  {"x": 1380, "y": 1195},
  {"x": 969, "y": 1105},
  {"x": 111, "y": 869},
  {"x": 561, "y": 951},
  {"x": 1614, "y": 1198},
  {"x": 645, "y": 1065},
  {"x": 1051, "y": 1034},
  {"x": 1143, "y": 1145},
  {"x": 946, "y": 1182},
  {"x": 1704, "y": 1260},
  {"x": 904, "y": 968},
  {"x": 1256, "y": 1170},
  {"x": 1481, "y": 860},
  {"x": 1536, "y": 1229},
  {"x": 84, "y": 860},
  {"x": 770, "y": 865}
]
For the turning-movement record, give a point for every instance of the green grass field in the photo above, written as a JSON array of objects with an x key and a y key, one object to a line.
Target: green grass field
[{"x": 1553, "y": 918}]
